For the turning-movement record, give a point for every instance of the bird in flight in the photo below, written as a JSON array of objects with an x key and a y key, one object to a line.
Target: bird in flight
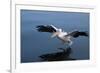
[{"x": 65, "y": 37}]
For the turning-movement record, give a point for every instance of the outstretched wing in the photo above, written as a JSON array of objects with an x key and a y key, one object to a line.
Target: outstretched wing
[
  {"x": 46, "y": 28},
  {"x": 76, "y": 34}
]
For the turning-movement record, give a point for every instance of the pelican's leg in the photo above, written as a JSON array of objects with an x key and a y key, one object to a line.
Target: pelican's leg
[
  {"x": 66, "y": 45},
  {"x": 70, "y": 43}
]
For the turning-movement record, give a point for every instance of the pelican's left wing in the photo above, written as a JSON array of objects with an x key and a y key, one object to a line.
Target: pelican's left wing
[
  {"x": 46, "y": 28},
  {"x": 76, "y": 34}
]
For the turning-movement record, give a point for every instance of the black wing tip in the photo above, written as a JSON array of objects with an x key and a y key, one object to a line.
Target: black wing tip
[
  {"x": 85, "y": 33},
  {"x": 82, "y": 33},
  {"x": 38, "y": 27}
]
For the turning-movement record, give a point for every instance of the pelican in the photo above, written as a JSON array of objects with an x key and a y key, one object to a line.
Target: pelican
[{"x": 65, "y": 37}]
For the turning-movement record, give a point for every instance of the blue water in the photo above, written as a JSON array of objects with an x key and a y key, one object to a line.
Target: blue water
[{"x": 34, "y": 43}]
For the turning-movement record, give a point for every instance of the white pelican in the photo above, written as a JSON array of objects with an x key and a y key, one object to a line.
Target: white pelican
[{"x": 65, "y": 37}]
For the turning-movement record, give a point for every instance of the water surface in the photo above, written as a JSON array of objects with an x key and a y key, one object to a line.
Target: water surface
[{"x": 34, "y": 43}]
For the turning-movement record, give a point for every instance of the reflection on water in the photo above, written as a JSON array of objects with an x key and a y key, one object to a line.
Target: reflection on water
[{"x": 58, "y": 56}]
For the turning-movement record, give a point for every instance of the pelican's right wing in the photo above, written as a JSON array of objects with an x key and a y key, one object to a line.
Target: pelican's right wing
[{"x": 47, "y": 28}]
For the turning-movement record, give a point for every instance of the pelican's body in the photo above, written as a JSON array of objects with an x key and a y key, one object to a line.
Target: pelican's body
[
  {"x": 63, "y": 38},
  {"x": 60, "y": 34}
]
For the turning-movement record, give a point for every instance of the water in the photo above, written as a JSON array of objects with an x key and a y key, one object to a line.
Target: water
[{"x": 35, "y": 44}]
